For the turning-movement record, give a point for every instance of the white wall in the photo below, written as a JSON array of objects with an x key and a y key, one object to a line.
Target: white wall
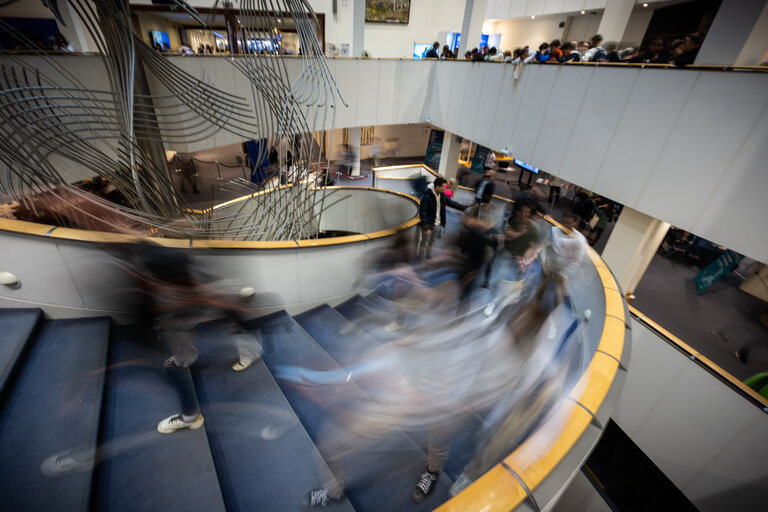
[
  {"x": 518, "y": 33},
  {"x": 398, "y": 140},
  {"x": 704, "y": 436},
  {"x": 583, "y": 27},
  {"x": 394, "y": 40}
]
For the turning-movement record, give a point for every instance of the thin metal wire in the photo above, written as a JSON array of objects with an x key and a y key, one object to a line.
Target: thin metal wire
[{"x": 118, "y": 133}]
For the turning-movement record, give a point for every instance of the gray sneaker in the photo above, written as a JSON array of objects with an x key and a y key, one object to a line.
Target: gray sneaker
[
  {"x": 67, "y": 462},
  {"x": 176, "y": 422}
]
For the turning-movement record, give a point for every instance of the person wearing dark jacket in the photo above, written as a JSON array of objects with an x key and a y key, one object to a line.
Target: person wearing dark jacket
[
  {"x": 688, "y": 51},
  {"x": 485, "y": 188},
  {"x": 432, "y": 53},
  {"x": 432, "y": 215}
]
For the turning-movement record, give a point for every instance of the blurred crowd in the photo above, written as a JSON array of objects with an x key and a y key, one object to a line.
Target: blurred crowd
[
  {"x": 479, "y": 338},
  {"x": 678, "y": 52}
]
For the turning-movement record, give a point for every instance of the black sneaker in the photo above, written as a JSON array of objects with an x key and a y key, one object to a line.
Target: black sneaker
[
  {"x": 425, "y": 486},
  {"x": 317, "y": 498}
]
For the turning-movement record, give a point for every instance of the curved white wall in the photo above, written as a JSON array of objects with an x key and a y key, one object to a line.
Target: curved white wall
[{"x": 70, "y": 278}]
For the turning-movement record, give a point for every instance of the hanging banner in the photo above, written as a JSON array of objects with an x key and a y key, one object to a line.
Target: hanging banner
[
  {"x": 715, "y": 270},
  {"x": 434, "y": 149},
  {"x": 478, "y": 161}
]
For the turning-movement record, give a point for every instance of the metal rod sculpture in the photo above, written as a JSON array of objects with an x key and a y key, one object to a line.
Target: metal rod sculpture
[{"x": 118, "y": 132}]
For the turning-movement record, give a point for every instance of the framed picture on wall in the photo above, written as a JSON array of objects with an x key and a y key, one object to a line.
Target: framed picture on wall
[{"x": 387, "y": 11}]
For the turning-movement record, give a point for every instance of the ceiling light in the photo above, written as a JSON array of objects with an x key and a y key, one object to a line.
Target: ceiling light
[
  {"x": 583, "y": 12},
  {"x": 645, "y": 5},
  {"x": 533, "y": 17}
]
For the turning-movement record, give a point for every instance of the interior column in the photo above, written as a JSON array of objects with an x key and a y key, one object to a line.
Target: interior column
[
  {"x": 472, "y": 26},
  {"x": 631, "y": 246},
  {"x": 738, "y": 35},
  {"x": 355, "y": 135},
  {"x": 449, "y": 156},
  {"x": 615, "y": 18}
]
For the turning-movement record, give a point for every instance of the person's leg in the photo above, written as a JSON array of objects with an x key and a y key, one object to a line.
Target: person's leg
[
  {"x": 249, "y": 349},
  {"x": 184, "y": 355},
  {"x": 422, "y": 245},
  {"x": 431, "y": 241}
]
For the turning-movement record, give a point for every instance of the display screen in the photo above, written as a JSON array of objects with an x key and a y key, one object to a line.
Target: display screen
[
  {"x": 161, "y": 38},
  {"x": 527, "y": 166}
]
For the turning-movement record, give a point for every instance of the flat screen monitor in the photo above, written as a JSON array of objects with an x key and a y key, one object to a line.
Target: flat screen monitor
[
  {"x": 161, "y": 38},
  {"x": 420, "y": 50},
  {"x": 527, "y": 166}
]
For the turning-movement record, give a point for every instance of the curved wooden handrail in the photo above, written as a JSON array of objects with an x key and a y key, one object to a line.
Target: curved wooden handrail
[{"x": 84, "y": 235}]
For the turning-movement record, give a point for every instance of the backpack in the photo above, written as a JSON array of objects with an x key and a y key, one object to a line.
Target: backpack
[{"x": 600, "y": 55}]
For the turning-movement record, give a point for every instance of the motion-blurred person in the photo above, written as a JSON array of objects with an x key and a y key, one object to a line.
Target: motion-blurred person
[
  {"x": 604, "y": 212},
  {"x": 432, "y": 216},
  {"x": 543, "y": 347},
  {"x": 521, "y": 246},
  {"x": 479, "y": 240},
  {"x": 173, "y": 299},
  {"x": 485, "y": 188},
  {"x": 429, "y": 382},
  {"x": 563, "y": 249}
]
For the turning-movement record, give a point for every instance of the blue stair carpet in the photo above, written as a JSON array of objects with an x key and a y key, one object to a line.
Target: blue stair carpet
[
  {"x": 141, "y": 468},
  {"x": 54, "y": 405},
  {"x": 387, "y": 471},
  {"x": 326, "y": 326},
  {"x": 264, "y": 458},
  {"x": 17, "y": 326},
  {"x": 370, "y": 314}
]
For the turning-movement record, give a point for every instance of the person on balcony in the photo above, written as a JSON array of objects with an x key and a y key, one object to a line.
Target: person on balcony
[{"x": 432, "y": 53}]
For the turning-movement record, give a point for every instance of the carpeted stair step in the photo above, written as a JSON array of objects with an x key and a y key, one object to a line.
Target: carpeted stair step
[
  {"x": 54, "y": 405},
  {"x": 377, "y": 486},
  {"x": 264, "y": 457},
  {"x": 346, "y": 343},
  {"x": 344, "y": 340},
  {"x": 17, "y": 326},
  {"x": 142, "y": 469}
]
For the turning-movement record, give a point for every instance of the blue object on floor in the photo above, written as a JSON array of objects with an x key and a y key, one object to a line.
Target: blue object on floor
[
  {"x": 54, "y": 405},
  {"x": 141, "y": 468}
]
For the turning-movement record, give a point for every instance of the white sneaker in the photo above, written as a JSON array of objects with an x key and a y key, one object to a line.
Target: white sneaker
[
  {"x": 461, "y": 483},
  {"x": 394, "y": 326},
  {"x": 67, "y": 462},
  {"x": 488, "y": 311},
  {"x": 173, "y": 423}
]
